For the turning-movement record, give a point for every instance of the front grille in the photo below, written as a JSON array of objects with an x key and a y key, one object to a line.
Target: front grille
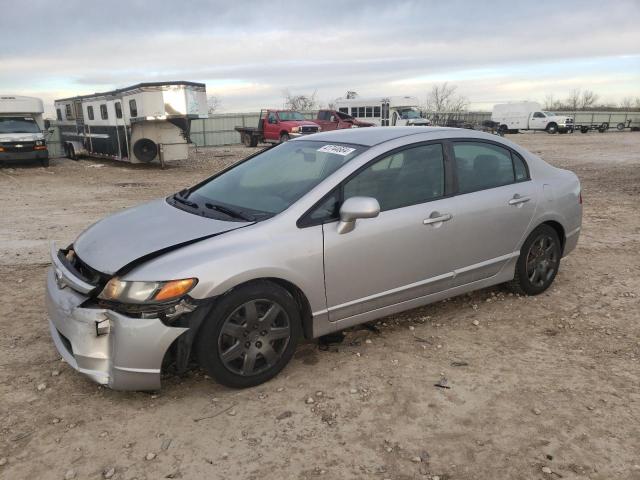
[
  {"x": 569, "y": 120},
  {"x": 17, "y": 147},
  {"x": 308, "y": 129}
]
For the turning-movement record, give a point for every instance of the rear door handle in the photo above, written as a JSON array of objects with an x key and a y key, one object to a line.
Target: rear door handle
[
  {"x": 517, "y": 199},
  {"x": 435, "y": 217}
]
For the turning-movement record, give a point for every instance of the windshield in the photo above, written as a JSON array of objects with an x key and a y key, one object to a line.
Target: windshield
[
  {"x": 549, "y": 114},
  {"x": 270, "y": 182},
  {"x": 18, "y": 125},
  {"x": 407, "y": 113},
  {"x": 284, "y": 116}
]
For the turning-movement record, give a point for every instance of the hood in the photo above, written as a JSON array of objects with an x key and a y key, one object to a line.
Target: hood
[
  {"x": 146, "y": 230},
  {"x": 20, "y": 137}
]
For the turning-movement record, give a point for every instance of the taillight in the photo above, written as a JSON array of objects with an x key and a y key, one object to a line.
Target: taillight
[{"x": 580, "y": 197}]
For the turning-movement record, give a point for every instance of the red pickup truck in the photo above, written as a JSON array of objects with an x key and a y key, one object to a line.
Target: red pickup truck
[
  {"x": 335, "y": 120},
  {"x": 277, "y": 126}
]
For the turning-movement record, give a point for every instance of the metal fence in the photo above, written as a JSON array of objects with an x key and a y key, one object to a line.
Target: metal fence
[
  {"x": 218, "y": 129},
  {"x": 628, "y": 119}
]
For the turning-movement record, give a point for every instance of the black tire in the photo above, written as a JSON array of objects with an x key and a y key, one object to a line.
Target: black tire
[
  {"x": 502, "y": 129},
  {"x": 620, "y": 127},
  {"x": 246, "y": 139},
  {"x": 254, "y": 141},
  {"x": 71, "y": 152},
  {"x": 584, "y": 129},
  {"x": 284, "y": 138},
  {"x": 538, "y": 262},
  {"x": 145, "y": 150},
  {"x": 234, "y": 328},
  {"x": 44, "y": 162},
  {"x": 552, "y": 128}
]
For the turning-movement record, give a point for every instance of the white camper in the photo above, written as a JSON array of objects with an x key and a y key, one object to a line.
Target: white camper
[
  {"x": 138, "y": 124},
  {"x": 512, "y": 117},
  {"x": 21, "y": 129},
  {"x": 383, "y": 111}
]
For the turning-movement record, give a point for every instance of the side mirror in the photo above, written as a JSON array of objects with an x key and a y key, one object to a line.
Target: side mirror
[{"x": 354, "y": 208}]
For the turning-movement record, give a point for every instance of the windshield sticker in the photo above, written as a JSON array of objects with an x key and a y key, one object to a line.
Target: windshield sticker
[{"x": 337, "y": 150}]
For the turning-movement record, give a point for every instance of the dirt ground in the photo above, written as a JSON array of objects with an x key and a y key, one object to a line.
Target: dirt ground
[{"x": 544, "y": 387}]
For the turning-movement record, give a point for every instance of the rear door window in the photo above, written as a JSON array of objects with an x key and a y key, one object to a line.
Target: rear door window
[{"x": 482, "y": 165}]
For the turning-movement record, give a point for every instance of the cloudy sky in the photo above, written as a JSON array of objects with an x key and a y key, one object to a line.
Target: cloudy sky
[{"x": 249, "y": 52}]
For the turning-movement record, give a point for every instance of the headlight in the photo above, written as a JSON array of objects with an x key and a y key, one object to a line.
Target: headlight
[
  {"x": 295, "y": 129},
  {"x": 143, "y": 292}
]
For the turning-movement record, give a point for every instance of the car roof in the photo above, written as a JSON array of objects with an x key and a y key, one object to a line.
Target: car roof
[{"x": 370, "y": 136}]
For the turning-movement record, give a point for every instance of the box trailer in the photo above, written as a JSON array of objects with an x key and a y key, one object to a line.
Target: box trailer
[
  {"x": 21, "y": 129},
  {"x": 138, "y": 124}
]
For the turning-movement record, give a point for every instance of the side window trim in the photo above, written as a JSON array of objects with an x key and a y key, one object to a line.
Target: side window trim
[
  {"x": 450, "y": 142},
  {"x": 305, "y": 221}
]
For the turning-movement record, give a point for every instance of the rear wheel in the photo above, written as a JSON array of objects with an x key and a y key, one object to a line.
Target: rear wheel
[
  {"x": 538, "y": 263},
  {"x": 250, "y": 335},
  {"x": 502, "y": 129},
  {"x": 246, "y": 139},
  {"x": 71, "y": 152},
  {"x": 584, "y": 129}
]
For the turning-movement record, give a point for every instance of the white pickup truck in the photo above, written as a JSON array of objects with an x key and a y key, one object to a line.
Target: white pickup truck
[{"x": 512, "y": 117}]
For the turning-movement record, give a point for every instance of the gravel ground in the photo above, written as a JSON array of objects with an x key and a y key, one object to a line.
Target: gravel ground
[{"x": 541, "y": 388}]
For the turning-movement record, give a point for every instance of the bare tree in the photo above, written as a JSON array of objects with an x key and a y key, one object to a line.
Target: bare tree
[
  {"x": 443, "y": 103},
  {"x": 627, "y": 103},
  {"x": 637, "y": 102},
  {"x": 300, "y": 102},
  {"x": 213, "y": 103},
  {"x": 588, "y": 99},
  {"x": 573, "y": 100},
  {"x": 550, "y": 102}
]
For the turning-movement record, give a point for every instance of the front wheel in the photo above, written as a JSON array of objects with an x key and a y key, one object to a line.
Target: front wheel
[
  {"x": 538, "y": 262},
  {"x": 284, "y": 137},
  {"x": 250, "y": 335},
  {"x": 552, "y": 128}
]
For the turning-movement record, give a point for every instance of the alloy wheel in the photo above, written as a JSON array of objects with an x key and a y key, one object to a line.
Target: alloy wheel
[
  {"x": 542, "y": 260},
  {"x": 254, "y": 337}
]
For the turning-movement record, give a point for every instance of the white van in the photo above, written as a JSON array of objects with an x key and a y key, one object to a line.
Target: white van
[
  {"x": 383, "y": 111},
  {"x": 512, "y": 117},
  {"x": 21, "y": 129}
]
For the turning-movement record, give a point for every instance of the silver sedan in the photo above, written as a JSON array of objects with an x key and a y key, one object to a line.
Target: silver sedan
[{"x": 301, "y": 240}]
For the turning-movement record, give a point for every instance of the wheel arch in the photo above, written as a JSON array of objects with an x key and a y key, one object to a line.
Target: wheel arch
[
  {"x": 557, "y": 226},
  {"x": 294, "y": 290}
]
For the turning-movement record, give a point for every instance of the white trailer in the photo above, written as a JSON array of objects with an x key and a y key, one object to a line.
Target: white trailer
[
  {"x": 138, "y": 124},
  {"x": 21, "y": 129},
  {"x": 516, "y": 116},
  {"x": 383, "y": 111}
]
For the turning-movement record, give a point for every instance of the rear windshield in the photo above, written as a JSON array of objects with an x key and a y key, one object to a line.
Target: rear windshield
[
  {"x": 284, "y": 116},
  {"x": 18, "y": 125},
  {"x": 273, "y": 180}
]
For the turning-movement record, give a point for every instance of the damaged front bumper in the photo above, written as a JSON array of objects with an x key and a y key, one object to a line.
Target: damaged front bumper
[{"x": 115, "y": 350}]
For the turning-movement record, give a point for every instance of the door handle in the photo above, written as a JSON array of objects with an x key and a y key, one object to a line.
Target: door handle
[
  {"x": 517, "y": 199},
  {"x": 437, "y": 218}
]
